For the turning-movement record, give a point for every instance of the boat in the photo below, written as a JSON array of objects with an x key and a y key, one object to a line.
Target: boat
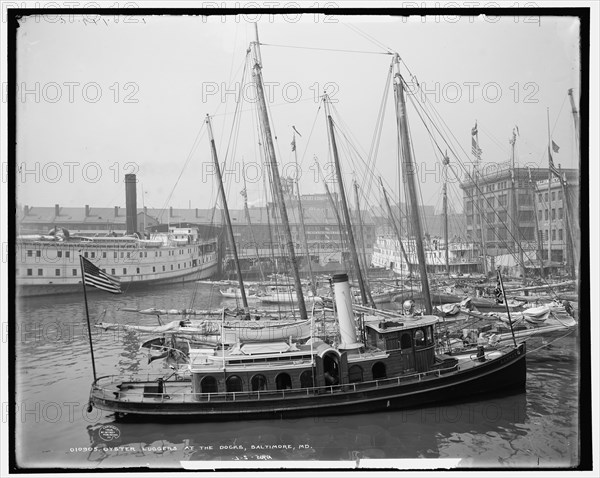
[
  {"x": 49, "y": 264},
  {"x": 235, "y": 293},
  {"x": 379, "y": 361}
]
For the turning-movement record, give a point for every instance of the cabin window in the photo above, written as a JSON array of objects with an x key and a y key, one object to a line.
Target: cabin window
[
  {"x": 258, "y": 382},
  {"x": 391, "y": 343},
  {"x": 57, "y": 272},
  {"x": 405, "y": 341},
  {"x": 355, "y": 374},
  {"x": 209, "y": 385},
  {"x": 29, "y": 253},
  {"x": 234, "y": 384},
  {"x": 429, "y": 332},
  {"x": 40, "y": 272},
  {"x": 306, "y": 379},
  {"x": 124, "y": 270},
  {"x": 419, "y": 338},
  {"x": 137, "y": 269},
  {"x": 74, "y": 272},
  {"x": 283, "y": 381},
  {"x": 378, "y": 371},
  {"x": 29, "y": 272}
]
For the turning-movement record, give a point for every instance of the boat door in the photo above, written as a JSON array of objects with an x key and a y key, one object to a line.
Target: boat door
[
  {"x": 331, "y": 368},
  {"x": 407, "y": 352}
]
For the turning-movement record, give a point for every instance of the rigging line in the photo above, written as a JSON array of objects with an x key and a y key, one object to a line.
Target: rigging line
[
  {"x": 327, "y": 49},
  {"x": 310, "y": 136},
  {"x": 368, "y": 37},
  {"x": 558, "y": 116}
]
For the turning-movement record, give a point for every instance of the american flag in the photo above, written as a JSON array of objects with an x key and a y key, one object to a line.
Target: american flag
[
  {"x": 99, "y": 279},
  {"x": 553, "y": 168}
]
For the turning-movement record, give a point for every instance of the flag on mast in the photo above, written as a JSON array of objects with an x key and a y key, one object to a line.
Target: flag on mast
[
  {"x": 98, "y": 278},
  {"x": 475, "y": 149}
]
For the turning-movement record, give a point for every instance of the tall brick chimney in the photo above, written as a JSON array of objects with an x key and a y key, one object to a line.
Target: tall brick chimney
[{"x": 131, "y": 203}]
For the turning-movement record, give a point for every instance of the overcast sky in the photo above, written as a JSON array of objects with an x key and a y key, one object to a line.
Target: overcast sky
[{"x": 98, "y": 100}]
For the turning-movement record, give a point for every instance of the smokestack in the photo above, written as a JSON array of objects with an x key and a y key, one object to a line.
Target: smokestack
[
  {"x": 87, "y": 210},
  {"x": 116, "y": 211},
  {"x": 170, "y": 211},
  {"x": 25, "y": 210},
  {"x": 56, "y": 210},
  {"x": 343, "y": 304},
  {"x": 131, "y": 203}
]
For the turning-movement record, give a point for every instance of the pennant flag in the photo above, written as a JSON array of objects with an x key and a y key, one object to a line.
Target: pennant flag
[
  {"x": 517, "y": 128},
  {"x": 555, "y": 147},
  {"x": 99, "y": 279},
  {"x": 474, "y": 129},
  {"x": 294, "y": 144},
  {"x": 244, "y": 193}
]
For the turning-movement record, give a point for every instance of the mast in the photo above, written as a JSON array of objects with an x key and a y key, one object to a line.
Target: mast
[
  {"x": 445, "y": 206},
  {"x": 549, "y": 202},
  {"x": 262, "y": 104},
  {"x": 238, "y": 269},
  {"x": 362, "y": 240},
  {"x": 395, "y": 224},
  {"x": 313, "y": 286},
  {"x": 409, "y": 170},
  {"x": 477, "y": 153},
  {"x": 515, "y": 229},
  {"x": 338, "y": 172},
  {"x": 247, "y": 211},
  {"x": 537, "y": 226},
  {"x": 575, "y": 116}
]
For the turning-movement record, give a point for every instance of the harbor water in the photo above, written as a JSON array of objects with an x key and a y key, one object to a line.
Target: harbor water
[{"x": 535, "y": 428}]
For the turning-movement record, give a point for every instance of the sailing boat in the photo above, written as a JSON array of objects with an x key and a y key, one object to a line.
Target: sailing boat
[{"x": 390, "y": 364}]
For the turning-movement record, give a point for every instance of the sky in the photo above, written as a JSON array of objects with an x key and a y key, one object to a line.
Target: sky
[{"x": 99, "y": 97}]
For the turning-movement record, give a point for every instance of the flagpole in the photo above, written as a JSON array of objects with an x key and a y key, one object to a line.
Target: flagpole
[
  {"x": 512, "y": 331},
  {"x": 87, "y": 314},
  {"x": 549, "y": 202}
]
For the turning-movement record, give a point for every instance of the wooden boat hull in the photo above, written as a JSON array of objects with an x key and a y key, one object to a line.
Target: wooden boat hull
[{"x": 502, "y": 374}]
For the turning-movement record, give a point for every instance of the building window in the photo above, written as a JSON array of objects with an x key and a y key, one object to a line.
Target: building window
[
  {"x": 553, "y": 214},
  {"x": 546, "y": 197},
  {"x": 554, "y": 234},
  {"x": 560, "y": 212},
  {"x": 163, "y": 268},
  {"x": 29, "y": 253},
  {"x": 38, "y": 253},
  {"x": 112, "y": 271},
  {"x": 153, "y": 269},
  {"x": 539, "y": 215},
  {"x": 546, "y": 214},
  {"x": 57, "y": 272},
  {"x": 546, "y": 234},
  {"x": 559, "y": 194},
  {"x": 74, "y": 272},
  {"x": 40, "y": 272},
  {"x": 67, "y": 254},
  {"x": 104, "y": 255},
  {"x": 560, "y": 234},
  {"x": 540, "y": 197},
  {"x": 115, "y": 255},
  {"x": 85, "y": 254},
  {"x": 171, "y": 266},
  {"x": 554, "y": 195},
  {"x": 128, "y": 255},
  {"x": 93, "y": 255},
  {"x": 29, "y": 272},
  {"x": 137, "y": 269},
  {"x": 58, "y": 253},
  {"x": 124, "y": 271}
]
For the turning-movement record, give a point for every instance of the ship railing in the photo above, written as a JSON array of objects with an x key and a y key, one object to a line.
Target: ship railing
[{"x": 100, "y": 391}]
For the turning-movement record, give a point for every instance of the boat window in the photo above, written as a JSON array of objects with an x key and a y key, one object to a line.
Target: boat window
[
  {"x": 378, "y": 370},
  {"x": 355, "y": 374},
  {"x": 419, "y": 338},
  {"x": 209, "y": 385},
  {"x": 429, "y": 332},
  {"x": 306, "y": 379},
  {"x": 283, "y": 381},
  {"x": 405, "y": 341},
  {"x": 258, "y": 382},
  {"x": 234, "y": 384}
]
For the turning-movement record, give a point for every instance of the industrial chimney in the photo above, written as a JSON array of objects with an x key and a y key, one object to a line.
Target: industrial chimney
[{"x": 131, "y": 203}]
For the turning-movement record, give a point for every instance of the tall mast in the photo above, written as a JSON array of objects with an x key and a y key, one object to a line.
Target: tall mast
[
  {"x": 515, "y": 229},
  {"x": 313, "y": 286},
  {"x": 362, "y": 240},
  {"x": 549, "y": 202},
  {"x": 537, "y": 226},
  {"x": 445, "y": 205},
  {"x": 575, "y": 116},
  {"x": 409, "y": 170},
  {"x": 213, "y": 150},
  {"x": 338, "y": 172},
  {"x": 249, "y": 221},
  {"x": 395, "y": 224},
  {"x": 262, "y": 106}
]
